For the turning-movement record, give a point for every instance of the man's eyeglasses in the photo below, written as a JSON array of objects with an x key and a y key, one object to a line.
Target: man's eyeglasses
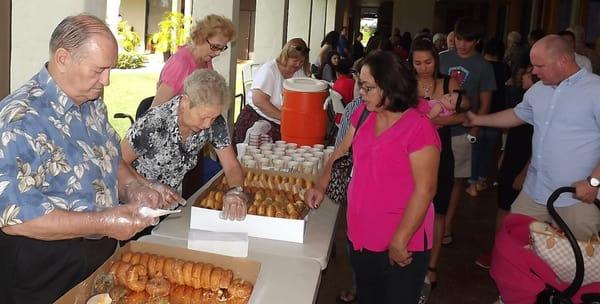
[
  {"x": 300, "y": 49},
  {"x": 216, "y": 47}
]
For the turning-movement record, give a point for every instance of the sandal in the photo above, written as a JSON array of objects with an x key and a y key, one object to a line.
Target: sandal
[
  {"x": 433, "y": 283},
  {"x": 347, "y": 296},
  {"x": 447, "y": 239}
]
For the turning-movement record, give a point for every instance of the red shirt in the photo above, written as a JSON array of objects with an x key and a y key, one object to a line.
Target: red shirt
[{"x": 345, "y": 86}]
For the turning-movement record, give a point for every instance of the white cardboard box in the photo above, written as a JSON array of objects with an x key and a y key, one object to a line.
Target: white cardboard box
[
  {"x": 257, "y": 226},
  {"x": 233, "y": 244}
]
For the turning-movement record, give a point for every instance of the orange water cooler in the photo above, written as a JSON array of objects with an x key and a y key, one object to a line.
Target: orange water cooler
[{"x": 303, "y": 119}]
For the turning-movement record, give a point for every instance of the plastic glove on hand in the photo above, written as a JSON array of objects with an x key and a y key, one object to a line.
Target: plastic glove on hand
[
  {"x": 137, "y": 192},
  {"x": 171, "y": 198},
  {"x": 234, "y": 205},
  {"x": 124, "y": 221}
]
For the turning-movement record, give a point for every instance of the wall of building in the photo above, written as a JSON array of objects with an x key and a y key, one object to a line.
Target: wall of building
[
  {"x": 4, "y": 51},
  {"x": 155, "y": 14},
  {"x": 134, "y": 12},
  {"x": 412, "y": 16},
  {"x": 30, "y": 51}
]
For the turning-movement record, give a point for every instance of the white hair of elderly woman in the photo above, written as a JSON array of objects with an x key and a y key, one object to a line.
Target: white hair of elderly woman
[{"x": 206, "y": 87}]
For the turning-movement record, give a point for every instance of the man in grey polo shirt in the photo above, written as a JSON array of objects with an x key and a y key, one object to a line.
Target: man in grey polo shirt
[{"x": 564, "y": 109}]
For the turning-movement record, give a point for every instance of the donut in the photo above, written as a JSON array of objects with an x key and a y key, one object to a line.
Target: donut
[
  {"x": 158, "y": 287},
  {"x": 215, "y": 278},
  {"x": 136, "y": 297},
  {"x": 226, "y": 278},
  {"x": 197, "y": 275},
  {"x": 188, "y": 268},
  {"x": 135, "y": 258},
  {"x": 168, "y": 270},
  {"x": 126, "y": 257},
  {"x": 205, "y": 278},
  {"x": 144, "y": 259},
  {"x": 137, "y": 276},
  {"x": 178, "y": 272},
  {"x": 240, "y": 288},
  {"x": 122, "y": 273}
]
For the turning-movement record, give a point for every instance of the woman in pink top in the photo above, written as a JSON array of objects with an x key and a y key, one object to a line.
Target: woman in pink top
[
  {"x": 390, "y": 214},
  {"x": 209, "y": 39}
]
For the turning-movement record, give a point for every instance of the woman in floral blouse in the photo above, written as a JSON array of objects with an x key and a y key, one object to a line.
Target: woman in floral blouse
[{"x": 164, "y": 144}]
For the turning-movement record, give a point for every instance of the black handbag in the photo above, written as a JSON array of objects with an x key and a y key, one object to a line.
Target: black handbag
[{"x": 341, "y": 171}]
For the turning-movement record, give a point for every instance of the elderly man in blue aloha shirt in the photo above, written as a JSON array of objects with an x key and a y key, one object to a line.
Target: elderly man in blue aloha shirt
[{"x": 61, "y": 171}]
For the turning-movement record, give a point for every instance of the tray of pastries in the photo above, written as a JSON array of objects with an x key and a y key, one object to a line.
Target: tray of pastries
[
  {"x": 271, "y": 194},
  {"x": 138, "y": 277}
]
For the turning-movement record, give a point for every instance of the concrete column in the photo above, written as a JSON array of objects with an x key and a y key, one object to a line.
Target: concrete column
[
  {"x": 330, "y": 17},
  {"x": 412, "y": 16},
  {"x": 30, "y": 51},
  {"x": 269, "y": 29},
  {"x": 112, "y": 15},
  {"x": 298, "y": 20},
  {"x": 225, "y": 64},
  {"x": 317, "y": 27}
]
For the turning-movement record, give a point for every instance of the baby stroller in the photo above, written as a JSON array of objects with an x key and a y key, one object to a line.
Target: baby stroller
[{"x": 524, "y": 278}]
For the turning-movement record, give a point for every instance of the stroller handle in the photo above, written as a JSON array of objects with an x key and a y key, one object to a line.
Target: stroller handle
[{"x": 579, "y": 269}]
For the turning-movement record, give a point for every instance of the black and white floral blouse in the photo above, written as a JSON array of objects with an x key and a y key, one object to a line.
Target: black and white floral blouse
[{"x": 162, "y": 155}]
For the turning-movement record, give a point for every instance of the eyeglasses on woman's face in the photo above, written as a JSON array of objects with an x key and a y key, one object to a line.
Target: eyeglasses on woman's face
[
  {"x": 216, "y": 47},
  {"x": 366, "y": 88}
]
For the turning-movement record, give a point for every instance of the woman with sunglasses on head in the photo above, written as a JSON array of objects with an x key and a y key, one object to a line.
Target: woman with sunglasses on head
[
  {"x": 395, "y": 155},
  {"x": 265, "y": 99},
  {"x": 424, "y": 61},
  {"x": 208, "y": 39}
]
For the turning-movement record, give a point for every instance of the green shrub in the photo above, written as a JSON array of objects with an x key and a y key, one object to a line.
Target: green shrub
[
  {"x": 130, "y": 60},
  {"x": 127, "y": 37}
]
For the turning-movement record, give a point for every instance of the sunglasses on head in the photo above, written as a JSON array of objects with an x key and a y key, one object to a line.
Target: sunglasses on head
[{"x": 300, "y": 49}]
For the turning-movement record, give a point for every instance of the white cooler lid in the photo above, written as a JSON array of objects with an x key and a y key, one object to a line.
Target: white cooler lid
[{"x": 304, "y": 84}]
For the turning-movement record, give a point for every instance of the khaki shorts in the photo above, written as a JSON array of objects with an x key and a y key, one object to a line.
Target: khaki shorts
[
  {"x": 582, "y": 218},
  {"x": 461, "y": 148}
]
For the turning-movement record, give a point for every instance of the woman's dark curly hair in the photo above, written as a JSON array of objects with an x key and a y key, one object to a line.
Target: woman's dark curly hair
[{"x": 397, "y": 82}]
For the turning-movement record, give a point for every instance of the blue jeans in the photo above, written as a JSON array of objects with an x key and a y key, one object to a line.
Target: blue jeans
[{"x": 483, "y": 150}]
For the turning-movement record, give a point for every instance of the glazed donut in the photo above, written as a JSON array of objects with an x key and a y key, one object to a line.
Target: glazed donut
[
  {"x": 197, "y": 275},
  {"x": 117, "y": 293},
  {"x": 122, "y": 273},
  {"x": 144, "y": 259},
  {"x": 158, "y": 287},
  {"x": 136, "y": 297},
  {"x": 137, "y": 277},
  {"x": 152, "y": 265},
  {"x": 168, "y": 270},
  {"x": 215, "y": 278},
  {"x": 188, "y": 268},
  {"x": 159, "y": 267},
  {"x": 240, "y": 289},
  {"x": 126, "y": 257},
  {"x": 205, "y": 279},
  {"x": 177, "y": 295},
  {"x": 178, "y": 271},
  {"x": 226, "y": 278}
]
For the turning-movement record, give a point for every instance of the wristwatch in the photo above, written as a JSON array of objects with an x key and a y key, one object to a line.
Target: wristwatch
[
  {"x": 236, "y": 189},
  {"x": 593, "y": 181}
]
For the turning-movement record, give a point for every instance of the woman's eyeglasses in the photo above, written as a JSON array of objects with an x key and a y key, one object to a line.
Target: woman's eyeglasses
[
  {"x": 366, "y": 88},
  {"x": 216, "y": 47}
]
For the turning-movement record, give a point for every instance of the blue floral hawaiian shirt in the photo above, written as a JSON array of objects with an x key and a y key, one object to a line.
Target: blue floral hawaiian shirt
[{"x": 54, "y": 153}]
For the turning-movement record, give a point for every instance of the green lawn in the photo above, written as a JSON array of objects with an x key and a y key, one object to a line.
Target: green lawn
[
  {"x": 125, "y": 92},
  {"x": 128, "y": 88}
]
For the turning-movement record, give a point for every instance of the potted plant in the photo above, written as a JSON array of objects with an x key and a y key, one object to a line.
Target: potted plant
[{"x": 172, "y": 33}]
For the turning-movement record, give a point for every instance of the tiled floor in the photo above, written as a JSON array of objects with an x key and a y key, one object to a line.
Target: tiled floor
[{"x": 459, "y": 279}]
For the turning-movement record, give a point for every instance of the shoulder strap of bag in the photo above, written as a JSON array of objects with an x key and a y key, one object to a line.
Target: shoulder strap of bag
[{"x": 363, "y": 117}]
